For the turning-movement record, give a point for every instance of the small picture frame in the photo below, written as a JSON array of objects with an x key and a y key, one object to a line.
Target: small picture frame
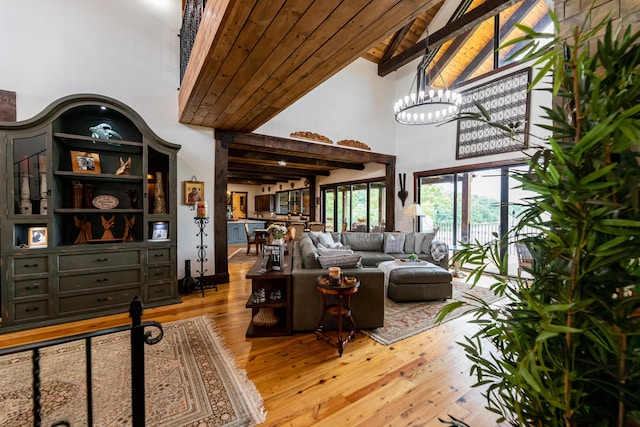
[
  {"x": 193, "y": 192},
  {"x": 160, "y": 231},
  {"x": 85, "y": 162},
  {"x": 38, "y": 236}
]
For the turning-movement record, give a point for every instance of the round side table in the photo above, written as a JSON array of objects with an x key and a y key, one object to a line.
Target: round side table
[{"x": 343, "y": 291}]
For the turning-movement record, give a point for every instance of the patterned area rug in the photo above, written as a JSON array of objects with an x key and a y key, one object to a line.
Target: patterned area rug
[
  {"x": 239, "y": 255},
  {"x": 403, "y": 320},
  {"x": 191, "y": 379}
]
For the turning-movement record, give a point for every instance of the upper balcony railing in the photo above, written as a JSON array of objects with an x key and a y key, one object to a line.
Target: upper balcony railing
[{"x": 191, "y": 17}]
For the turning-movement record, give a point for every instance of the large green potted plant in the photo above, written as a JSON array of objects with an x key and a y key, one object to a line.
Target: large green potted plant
[{"x": 563, "y": 347}]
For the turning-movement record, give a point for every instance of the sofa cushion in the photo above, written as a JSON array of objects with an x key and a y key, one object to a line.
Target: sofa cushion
[
  {"x": 393, "y": 243},
  {"x": 309, "y": 253},
  {"x": 364, "y": 241},
  {"x": 373, "y": 258},
  {"x": 343, "y": 261}
]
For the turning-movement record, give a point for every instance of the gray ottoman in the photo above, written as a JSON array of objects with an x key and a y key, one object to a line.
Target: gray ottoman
[{"x": 420, "y": 283}]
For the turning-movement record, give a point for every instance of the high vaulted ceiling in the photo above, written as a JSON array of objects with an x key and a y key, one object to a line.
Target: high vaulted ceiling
[{"x": 251, "y": 59}]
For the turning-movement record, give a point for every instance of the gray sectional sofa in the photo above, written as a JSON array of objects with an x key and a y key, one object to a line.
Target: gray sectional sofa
[{"x": 372, "y": 248}]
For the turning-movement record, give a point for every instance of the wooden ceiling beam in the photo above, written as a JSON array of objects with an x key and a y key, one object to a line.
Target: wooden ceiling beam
[
  {"x": 457, "y": 27},
  {"x": 325, "y": 151},
  {"x": 291, "y": 172},
  {"x": 524, "y": 8},
  {"x": 290, "y": 159}
]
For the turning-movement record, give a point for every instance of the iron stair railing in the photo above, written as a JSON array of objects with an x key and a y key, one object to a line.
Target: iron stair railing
[{"x": 139, "y": 337}]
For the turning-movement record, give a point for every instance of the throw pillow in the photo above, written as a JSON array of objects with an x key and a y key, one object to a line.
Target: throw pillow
[
  {"x": 426, "y": 243},
  {"x": 322, "y": 250},
  {"x": 326, "y": 240},
  {"x": 394, "y": 244},
  {"x": 342, "y": 261},
  {"x": 409, "y": 243},
  {"x": 315, "y": 236}
]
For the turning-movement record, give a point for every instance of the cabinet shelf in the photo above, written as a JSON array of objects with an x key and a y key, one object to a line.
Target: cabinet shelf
[
  {"x": 99, "y": 176},
  {"x": 82, "y": 142},
  {"x": 268, "y": 304},
  {"x": 96, "y": 211}
]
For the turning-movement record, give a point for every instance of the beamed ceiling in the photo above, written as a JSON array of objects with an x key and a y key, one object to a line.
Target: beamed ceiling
[{"x": 252, "y": 59}]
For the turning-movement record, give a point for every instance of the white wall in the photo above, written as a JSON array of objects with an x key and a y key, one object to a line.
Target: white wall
[
  {"x": 353, "y": 104},
  {"x": 124, "y": 49}
]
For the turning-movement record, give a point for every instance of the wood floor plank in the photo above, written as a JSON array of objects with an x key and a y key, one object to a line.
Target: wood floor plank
[{"x": 303, "y": 381}]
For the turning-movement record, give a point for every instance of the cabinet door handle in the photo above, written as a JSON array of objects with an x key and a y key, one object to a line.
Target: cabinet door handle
[
  {"x": 102, "y": 259},
  {"x": 158, "y": 273},
  {"x": 102, "y": 280},
  {"x": 158, "y": 255},
  {"x": 31, "y": 265},
  {"x": 29, "y": 310},
  {"x": 104, "y": 299},
  {"x": 29, "y": 288}
]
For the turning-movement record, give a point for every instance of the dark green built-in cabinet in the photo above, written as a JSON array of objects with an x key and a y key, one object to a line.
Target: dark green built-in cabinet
[{"x": 81, "y": 234}]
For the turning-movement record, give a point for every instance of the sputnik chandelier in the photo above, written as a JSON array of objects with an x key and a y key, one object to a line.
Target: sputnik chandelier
[{"x": 427, "y": 104}]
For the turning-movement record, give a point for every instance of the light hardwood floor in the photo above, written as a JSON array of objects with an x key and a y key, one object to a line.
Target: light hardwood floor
[{"x": 303, "y": 381}]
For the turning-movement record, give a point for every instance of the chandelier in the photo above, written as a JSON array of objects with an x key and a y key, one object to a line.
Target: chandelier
[{"x": 427, "y": 104}]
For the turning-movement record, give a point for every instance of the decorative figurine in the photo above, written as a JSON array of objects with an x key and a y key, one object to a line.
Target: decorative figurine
[
  {"x": 108, "y": 224},
  {"x": 103, "y": 131},
  {"x": 133, "y": 198},
  {"x": 124, "y": 167},
  {"x": 25, "y": 196},
  {"x": 128, "y": 225},
  {"x": 85, "y": 230}
]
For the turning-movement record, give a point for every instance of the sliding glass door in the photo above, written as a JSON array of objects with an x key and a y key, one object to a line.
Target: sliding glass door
[
  {"x": 357, "y": 206},
  {"x": 472, "y": 205}
]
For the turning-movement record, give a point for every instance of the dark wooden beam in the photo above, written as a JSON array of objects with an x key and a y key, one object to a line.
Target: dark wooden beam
[
  {"x": 457, "y": 27},
  {"x": 237, "y": 155},
  {"x": 220, "y": 214},
  {"x": 285, "y": 144}
]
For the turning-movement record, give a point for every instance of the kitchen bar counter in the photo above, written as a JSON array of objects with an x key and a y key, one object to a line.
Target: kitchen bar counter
[{"x": 235, "y": 229}]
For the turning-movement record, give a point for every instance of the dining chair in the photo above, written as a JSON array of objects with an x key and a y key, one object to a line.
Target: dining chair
[{"x": 253, "y": 239}]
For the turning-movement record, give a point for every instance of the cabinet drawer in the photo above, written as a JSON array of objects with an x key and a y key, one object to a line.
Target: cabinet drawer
[
  {"x": 28, "y": 288},
  {"x": 160, "y": 291},
  {"x": 31, "y": 310},
  {"x": 159, "y": 255},
  {"x": 159, "y": 273},
  {"x": 98, "y": 280},
  {"x": 99, "y": 259},
  {"x": 30, "y": 265},
  {"x": 100, "y": 300}
]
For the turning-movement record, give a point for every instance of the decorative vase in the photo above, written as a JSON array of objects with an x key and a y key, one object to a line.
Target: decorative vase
[
  {"x": 25, "y": 196},
  {"x": 277, "y": 241},
  {"x": 159, "y": 206},
  {"x": 43, "y": 193}
]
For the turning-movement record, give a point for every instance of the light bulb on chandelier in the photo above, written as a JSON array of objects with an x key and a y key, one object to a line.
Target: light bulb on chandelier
[{"x": 426, "y": 105}]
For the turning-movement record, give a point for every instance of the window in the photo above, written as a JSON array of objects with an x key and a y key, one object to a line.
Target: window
[{"x": 358, "y": 206}]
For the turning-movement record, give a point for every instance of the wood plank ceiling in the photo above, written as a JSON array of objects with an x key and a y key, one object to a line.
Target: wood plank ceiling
[{"x": 253, "y": 58}]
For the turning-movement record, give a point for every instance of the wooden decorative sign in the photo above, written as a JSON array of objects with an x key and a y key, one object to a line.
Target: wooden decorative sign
[
  {"x": 507, "y": 100},
  {"x": 7, "y": 106}
]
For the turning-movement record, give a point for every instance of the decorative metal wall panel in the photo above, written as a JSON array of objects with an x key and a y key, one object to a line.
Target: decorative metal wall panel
[{"x": 507, "y": 101}]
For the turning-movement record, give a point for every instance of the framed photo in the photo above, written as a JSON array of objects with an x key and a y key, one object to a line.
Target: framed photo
[
  {"x": 160, "y": 231},
  {"x": 193, "y": 192},
  {"x": 37, "y": 236},
  {"x": 85, "y": 162}
]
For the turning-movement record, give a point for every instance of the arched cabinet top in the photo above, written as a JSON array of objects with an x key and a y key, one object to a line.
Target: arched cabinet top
[{"x": 76, "y": 114}]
